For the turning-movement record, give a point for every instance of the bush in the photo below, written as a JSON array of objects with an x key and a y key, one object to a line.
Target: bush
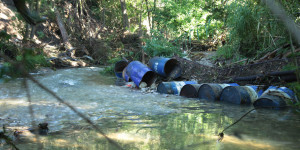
[
  {"x": 253, "y": 31},
  {"x": 158, "y": 45},
  {"x": 29, "y": 58}
]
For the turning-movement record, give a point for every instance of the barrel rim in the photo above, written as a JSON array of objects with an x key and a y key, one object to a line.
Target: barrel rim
[
  {"x": 120, "y": 65},
  {"x": 170, "y": 65},
  {"x": 149, "y": 74},
  {"x": 193, "y": 88}
]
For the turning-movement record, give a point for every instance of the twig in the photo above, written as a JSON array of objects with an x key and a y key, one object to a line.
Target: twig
[
  {"x": 8, "y": 140},
  {"x": 26, "y": 74},
  {"x": 238, "y": 120},
  {"x": 74, "y": 110}
]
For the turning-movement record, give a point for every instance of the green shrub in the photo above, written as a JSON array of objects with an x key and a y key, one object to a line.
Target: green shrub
[
  {"x": 253, "y": 30},
  {"x": 30, "y": 59},
  {"x": 158, "y": 45}
]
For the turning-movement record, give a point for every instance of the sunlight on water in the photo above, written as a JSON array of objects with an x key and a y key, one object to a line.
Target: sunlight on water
[{"x": 134, "y": 119}]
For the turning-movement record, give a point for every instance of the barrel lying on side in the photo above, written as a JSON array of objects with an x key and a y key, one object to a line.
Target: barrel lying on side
[
  {"x": 125, "y": 76},
  {"x": 119, "y": 67},
  {"x": 240, "y": 94},
  {"x": 190, "y": 90},
  {"x": 275, "y": 97},
  {"x": 166, "y": 67},
  {"x": 138, "y": 73},
  {"x": 172, "y": 87},
  {"x": 212, "y": 92}
]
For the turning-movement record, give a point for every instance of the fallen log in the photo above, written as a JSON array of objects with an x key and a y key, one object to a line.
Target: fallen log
[{"x": 286, "y": 76}]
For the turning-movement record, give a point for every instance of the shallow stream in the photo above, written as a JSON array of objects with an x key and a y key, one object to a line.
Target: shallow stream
[{"x": 134, "y": 119}]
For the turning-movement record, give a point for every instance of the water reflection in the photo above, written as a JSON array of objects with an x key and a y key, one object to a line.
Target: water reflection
[{"x": 137, "y": 120}]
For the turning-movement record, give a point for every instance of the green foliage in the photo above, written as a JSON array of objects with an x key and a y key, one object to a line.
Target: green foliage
[
  {"x": 40, "y": 34},
  {"x": 289, "y": 67},
  {"x": 30, "y": 59},
  {"x": 109, "y": 70},
  {"x": 253, "y": 30},
  {"x": 158, "y": 45},
  {"x": 295, "y": 86}
]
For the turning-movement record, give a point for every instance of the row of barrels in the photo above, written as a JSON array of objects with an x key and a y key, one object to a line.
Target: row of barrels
[
  {"x": 144, "y": 76},
  {"x": 272, "y": 97}
]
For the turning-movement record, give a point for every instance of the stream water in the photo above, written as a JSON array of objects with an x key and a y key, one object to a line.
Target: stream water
[{"x": 134, "y": 119}]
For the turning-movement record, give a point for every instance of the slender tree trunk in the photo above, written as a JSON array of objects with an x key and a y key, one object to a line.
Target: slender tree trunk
[
  {"x": 140, "y": 21},
  {"x": 124, "y": 14},
  {"x": 37, "y": 10},
  {"x": 63, "y": 31},
  {"x": 154, "y": 8},
  {"x": 103, "y": 17},
  {"x": 26, "y": 34},
  {"x": 148, "y": 11}
]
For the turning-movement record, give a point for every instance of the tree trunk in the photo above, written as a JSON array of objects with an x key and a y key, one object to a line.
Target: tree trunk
[
  {"x": 37, "y": 11},
  {"x": 103, "y": 17},
  {"x": 148, "y": 11},
  {"x": 140, "y": 21},
  {"x": 63, "y": 31},
  {"x": 124, "y": 14},
  {"x": 26, "y": 34},
  {"x": 154, "y": 8}
]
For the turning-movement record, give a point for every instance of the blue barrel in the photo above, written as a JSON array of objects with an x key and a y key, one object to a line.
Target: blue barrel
[
  {"x": 119, "y": 67},
  {"x": 212, "y": 92},
  {"x": 164, "y": 66},
  {"x": 275, "y": 97},
  {"x": 138, "y": 73},
  {"x": 190, "y": 90},
  {"x": 125, "y": 75},
  {"x": 240, "y": 94},
  {"x": 172, "y": 87}
]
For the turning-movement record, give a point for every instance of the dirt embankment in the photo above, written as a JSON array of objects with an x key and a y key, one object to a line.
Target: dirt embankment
[{"x": 192, "y": 70}]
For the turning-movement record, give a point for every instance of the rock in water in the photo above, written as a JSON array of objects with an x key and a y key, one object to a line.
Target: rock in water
[
  {"x": 143, "y": 85},
  {"x": 41, "y": 130}
]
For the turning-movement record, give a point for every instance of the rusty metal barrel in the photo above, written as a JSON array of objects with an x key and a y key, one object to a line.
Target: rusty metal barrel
[
  {"x": 190, "y": 90},
  {"x": 211, "y": 91},
  {"x": 165, "y": 66},
  {"x": 275, "y": 97},
  {"x": 240, "y": 94},
  {"x": 119, "y": 67},
  {"x": 139, "y": 72},
  {"x": 172, "y": 87}
]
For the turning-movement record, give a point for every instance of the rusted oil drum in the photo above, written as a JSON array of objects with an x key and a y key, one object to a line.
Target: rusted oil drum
[
  {"x": 275, "y": 97},
  {"x": 164, "y": 66},
  {"x": 119, "y": 67},
  {"x": 172, "y": 87},
  {"x": 212, "y": 92},
  {"x": 240, "y": 94},
  {"x": 139, "y": 72},
  {"x": 125, "y": 75},
  {"x": 190, "y": 90}
]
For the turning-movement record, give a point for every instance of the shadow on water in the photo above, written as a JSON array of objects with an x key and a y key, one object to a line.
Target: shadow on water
[{"x": 137, "y": 120}]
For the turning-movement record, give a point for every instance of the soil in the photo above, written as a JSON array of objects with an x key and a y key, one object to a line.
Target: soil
[{"x": 193, "y": 70}]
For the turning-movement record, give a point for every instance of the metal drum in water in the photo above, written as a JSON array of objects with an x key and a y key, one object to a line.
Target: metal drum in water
[
  {"x": 212, "y": 92},
  {"x": 190, "y": 90},
  {"x": 240, "y": 94},
  {"x": 164, "y": 66},
  {"x": 119, "y": 67},
  {"x": 275, "y": 97},
  {"x": 138, "y": 73},
  {"x": 125, "y": 75},
  {"x": 172, "y": 87}
]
